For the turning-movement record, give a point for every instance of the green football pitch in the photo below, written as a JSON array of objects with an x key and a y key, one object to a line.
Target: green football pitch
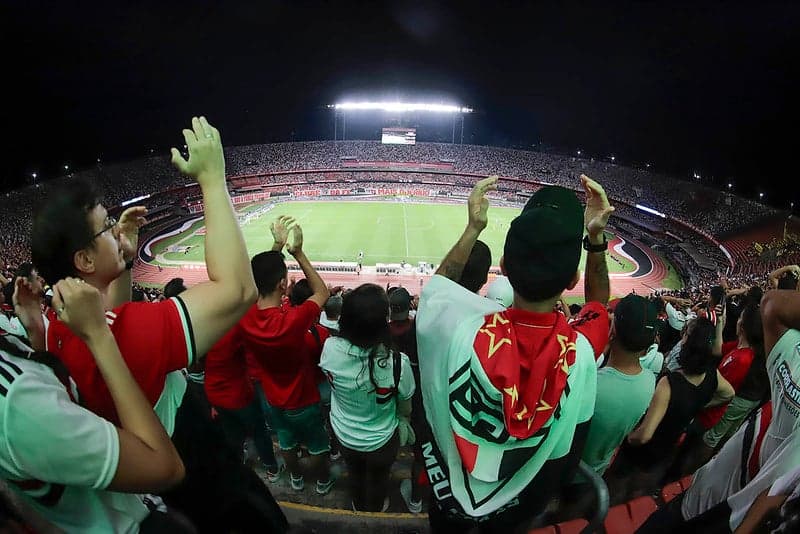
[{"x": 387, "y": 232}]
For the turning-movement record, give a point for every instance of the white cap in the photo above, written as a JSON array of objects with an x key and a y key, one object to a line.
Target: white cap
[{"x": 500, "y": 291}]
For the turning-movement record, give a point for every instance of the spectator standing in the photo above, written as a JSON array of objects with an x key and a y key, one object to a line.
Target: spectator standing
[
  {"x": 371, "y": 388},
  {"x": 73, "y": 235},
  {"x": 403, "y": 330},
  {"x": 274, "y": 333},
  {"x": 762, "y": 450},
  {"x": 624, "y": 388},
  {"x": 489, "y": 459},
  {"x": 331, "y": 312},
  {"x": 678, "y": 398},
  {"x": 74, "y": 468}
]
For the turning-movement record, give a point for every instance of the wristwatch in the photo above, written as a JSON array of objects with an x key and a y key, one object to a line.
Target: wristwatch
[{"x": 589, "y": 247}]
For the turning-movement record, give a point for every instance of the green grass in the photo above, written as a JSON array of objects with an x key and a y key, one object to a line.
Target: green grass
[
  {"x": 387, "y": 232},
  {"x": 672, "y": 281}
]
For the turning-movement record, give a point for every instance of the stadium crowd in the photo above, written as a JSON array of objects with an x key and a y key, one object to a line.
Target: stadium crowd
[
  {"x": 126, "y": 409},
  {"x": 713, "y": 211}
]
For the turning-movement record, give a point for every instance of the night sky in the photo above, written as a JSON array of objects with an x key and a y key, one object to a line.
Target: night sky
[{"x": 706, "y": 88}]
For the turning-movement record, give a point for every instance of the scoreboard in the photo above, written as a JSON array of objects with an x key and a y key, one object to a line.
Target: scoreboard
[{"x": 399, "y": 136}]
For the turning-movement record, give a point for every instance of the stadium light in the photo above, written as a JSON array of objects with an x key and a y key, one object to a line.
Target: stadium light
[
  {"x": 579, "y": 152},
  {"x": 730, "y": 185},
  {"x": 651, "y": 210},
  {"x": 66, "y": 167},
  {"x": 34, "y": 175},
  {"x": 613, "y": 157},
  {"x": 761, "y": 195},
  {"x": 400, "y": 107}
]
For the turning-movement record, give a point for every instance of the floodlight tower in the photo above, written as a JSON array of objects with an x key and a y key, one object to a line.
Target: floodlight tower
[{"x": 340, "y": 111}]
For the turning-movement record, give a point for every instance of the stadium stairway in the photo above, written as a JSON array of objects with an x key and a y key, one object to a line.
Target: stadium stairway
[{"x": 333, "y": 512}]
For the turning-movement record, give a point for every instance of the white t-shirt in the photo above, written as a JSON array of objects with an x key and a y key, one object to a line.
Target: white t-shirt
[
  {"x": 777, "y": 444},
  {"x": 363, "y": 417},
  {"x": 677, "y": 318},
  {"x": 62, "y": 454},
  {"x": 12, "y": 326},
  {"x": 652, "y": 360}
]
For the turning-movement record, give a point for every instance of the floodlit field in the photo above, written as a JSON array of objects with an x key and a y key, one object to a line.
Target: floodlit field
[{"x": 387, "y": 232}]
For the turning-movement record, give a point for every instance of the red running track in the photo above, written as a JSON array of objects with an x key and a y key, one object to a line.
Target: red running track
[{"x": 621, "y": 284}]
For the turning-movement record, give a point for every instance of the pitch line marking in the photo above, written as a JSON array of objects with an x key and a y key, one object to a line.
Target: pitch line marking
[{"x": 405, "y": 226}]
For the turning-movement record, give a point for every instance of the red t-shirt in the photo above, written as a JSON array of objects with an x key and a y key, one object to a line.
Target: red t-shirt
[
  {"x": 154, "y": 339},
  {"x": 277, "y": 340},
  {"x": 733, "y": 368},
  {"x": 593, "y": 322},
  {"x": 227, "y": 383}
]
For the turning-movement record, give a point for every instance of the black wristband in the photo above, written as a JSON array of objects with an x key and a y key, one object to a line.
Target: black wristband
[
  {"x": 589, "y": 247},
  {"x": 129, "y": 265}
]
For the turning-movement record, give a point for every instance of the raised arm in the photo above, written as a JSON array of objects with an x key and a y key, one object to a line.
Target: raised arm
[
  {"x": 452, "y": 265},
  {"x": 780, "y": 311},
  {"x": 215, "y": 306},
  {"x": 27, "y": 306},
  {"x": 280, "y": 232},
  {"x": 676, "y": 301},
  {"x": 318, "y": 286},
  {"x": 148, "y": 460},
  {"x": 723, "y": 394},
  {"x": 119, "y": 291},
  {"x": 722, "y": 318},
  {"x": 778, "y": 273},
  {"x": 595, "y": 217}
]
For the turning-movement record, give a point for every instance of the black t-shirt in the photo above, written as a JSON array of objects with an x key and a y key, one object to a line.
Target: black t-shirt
[{"x": 685, "y": 401}]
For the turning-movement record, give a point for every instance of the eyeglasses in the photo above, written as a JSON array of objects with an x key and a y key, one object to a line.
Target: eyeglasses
[{"x": 110, "y": 223}]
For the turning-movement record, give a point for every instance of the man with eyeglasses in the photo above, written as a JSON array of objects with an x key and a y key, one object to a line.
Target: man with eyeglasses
[{"x": 74, "y": 235}]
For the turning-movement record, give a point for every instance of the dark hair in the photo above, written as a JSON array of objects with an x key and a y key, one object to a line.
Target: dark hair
[
  {"x": 25, "y": 269},
  {"x": 137, "y": 295},
  {"x": 532, "y": 285},
  {"x": 61, "y": 228},
  {"x": 174, "y": 287},
  {"x": 333, "y": 307},
  {"x": 269, "y": 268},
  {"x": 787, "y": 281},
  {"x": 364, "y": 322},
  {"x": 752, "y": 327},
  {"x": 754, "y": 295},
  {"x": 301, "y": 291},
  {"x": 476, "y": 270},
  {"x": 696, "y": 356}
]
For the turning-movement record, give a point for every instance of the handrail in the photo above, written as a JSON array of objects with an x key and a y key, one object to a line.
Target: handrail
[{"x": 601, "y": 492}]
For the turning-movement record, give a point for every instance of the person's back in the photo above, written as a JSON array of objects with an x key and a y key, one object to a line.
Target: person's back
[
  {"x": 763, "y": 449},
  {"x": 686, "y": 401},
  {"x": 624, "y": 387},
  {"x": 276, "y": 337},
  {"x": 509, "y": 393}
]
